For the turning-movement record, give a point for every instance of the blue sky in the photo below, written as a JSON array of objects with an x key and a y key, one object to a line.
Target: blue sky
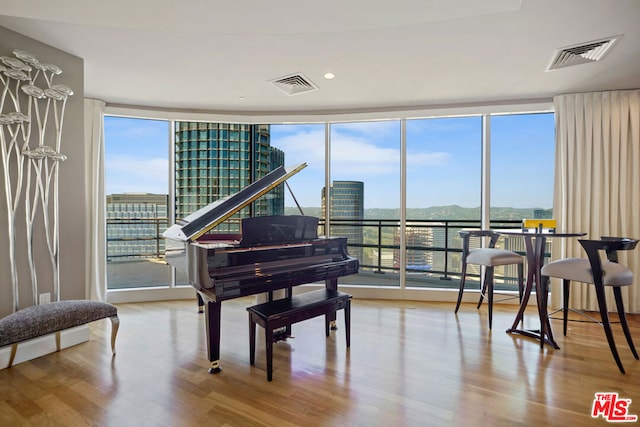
[
  {"x": 443, "y": 159},
  {"x": 136, "y": 155}
]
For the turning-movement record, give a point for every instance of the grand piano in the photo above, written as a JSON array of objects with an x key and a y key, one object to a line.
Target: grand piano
[{"x": 270, "y": 253}]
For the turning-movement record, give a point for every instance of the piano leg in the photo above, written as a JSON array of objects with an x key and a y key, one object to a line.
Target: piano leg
[
  {"x": 332, "y": 284},
  {"x": 200, "y": 303},
  {"x": 212, "y": 321}
]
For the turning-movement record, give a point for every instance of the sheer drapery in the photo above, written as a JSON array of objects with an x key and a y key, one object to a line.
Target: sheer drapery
[
  {"x": 597, "y": 180},
  {"x": 96, "y": 281}
]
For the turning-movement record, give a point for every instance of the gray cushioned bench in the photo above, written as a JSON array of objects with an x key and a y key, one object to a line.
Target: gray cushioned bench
[
  {"x": 283, "y": 313},
  {"x": 44, "y": 319}
]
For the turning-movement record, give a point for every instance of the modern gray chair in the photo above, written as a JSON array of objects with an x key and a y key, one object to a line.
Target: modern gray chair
[
  {"x": 488, "y": 257},
  {"x": 600, "y": 273}
]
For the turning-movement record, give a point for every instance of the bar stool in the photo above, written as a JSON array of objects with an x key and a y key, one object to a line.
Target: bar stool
[
  {"x": 488, "y": 257},
  {"x": 599, "y": 273}
]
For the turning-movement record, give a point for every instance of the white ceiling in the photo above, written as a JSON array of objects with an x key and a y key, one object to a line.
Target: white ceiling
[{"x": 221, "y": 56}]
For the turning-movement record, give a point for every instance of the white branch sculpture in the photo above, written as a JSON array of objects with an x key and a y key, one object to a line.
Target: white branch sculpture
[{"x": 20, "y": 78}]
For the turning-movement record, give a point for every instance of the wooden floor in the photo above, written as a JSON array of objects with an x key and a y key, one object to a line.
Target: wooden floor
[{"x": 410, "y": 364}]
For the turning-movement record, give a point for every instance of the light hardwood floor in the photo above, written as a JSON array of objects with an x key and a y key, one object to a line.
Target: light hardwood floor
[{"x": 410, "y": 364}]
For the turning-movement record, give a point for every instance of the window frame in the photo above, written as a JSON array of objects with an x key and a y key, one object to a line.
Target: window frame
[{"x": 401, "y": 292}]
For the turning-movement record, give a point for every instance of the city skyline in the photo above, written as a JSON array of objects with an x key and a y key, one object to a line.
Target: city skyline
[{"x": 442, "y": 159}]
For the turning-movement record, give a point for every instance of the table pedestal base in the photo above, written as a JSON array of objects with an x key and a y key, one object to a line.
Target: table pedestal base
[{"x": 534, "y": 333}]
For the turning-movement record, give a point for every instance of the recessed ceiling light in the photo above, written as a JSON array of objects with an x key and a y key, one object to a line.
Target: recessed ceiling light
[
  {"x": 242, "y": 98},
  {"x": 329, "y": 76}
]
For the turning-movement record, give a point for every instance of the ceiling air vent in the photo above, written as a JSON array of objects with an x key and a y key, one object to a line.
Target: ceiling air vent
[
  {"x": 582, "y": 53},
  {"x": 294, "y": 84}
]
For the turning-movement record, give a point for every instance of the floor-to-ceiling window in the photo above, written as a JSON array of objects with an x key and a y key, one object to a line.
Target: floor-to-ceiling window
[
  {"x": 137, "y": 189},
  {"x": 444, "y": 171},
  {"x": 364, "y": 196},
  {"x": 444, "y": 183},
  {"x": 522, "y": 152}
]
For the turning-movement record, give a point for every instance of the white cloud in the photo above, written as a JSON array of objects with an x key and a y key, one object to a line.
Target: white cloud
[
  {"x": 357, "y": 156},
  {"x": 422, "y": 159},
  {"x": 353, "y": 154},
  {"x": 306, "y": 146},
  {"x": 128, "y": 174}
]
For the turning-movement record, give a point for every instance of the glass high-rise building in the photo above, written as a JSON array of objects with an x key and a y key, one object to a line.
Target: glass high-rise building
[
  {"x": 347, "y": 203},
  {"x": 215, "y": 160}
]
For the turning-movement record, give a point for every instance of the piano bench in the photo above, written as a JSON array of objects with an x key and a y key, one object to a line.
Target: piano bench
[{"x": 283, "y": 313}]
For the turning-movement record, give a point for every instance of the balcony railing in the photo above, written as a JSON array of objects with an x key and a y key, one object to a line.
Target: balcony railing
[
  {"x": 433, "y": 247},
  {"x": 139, "y": 238},
  {"x": 433, "y": 235}
]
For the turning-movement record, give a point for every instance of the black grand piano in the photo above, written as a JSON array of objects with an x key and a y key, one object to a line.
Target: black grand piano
[{"x": 271, "y": 253}]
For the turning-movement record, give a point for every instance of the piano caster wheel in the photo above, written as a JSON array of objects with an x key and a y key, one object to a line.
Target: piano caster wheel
[
  {"x": 215, "y": 367},
  {"x": 333, "y": 325}
]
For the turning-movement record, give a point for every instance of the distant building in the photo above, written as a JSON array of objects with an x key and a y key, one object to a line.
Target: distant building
[
  {"x": 417, "y": 260},
  {"x": 134, "y": 223},
  {"x": 543, "y": 213},
  {"x": 215, "y": 160},
  {"x": 347, "y": 203}
]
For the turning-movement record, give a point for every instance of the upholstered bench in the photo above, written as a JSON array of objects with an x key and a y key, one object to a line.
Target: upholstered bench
[
  {"x": 44, "y": 319},
  {"x": 283, "y": 313}
]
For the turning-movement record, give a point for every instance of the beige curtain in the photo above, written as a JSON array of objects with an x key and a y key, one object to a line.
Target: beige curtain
[
  {"x": 96, "y": 271},
  {"x": 597, "y": 181}
]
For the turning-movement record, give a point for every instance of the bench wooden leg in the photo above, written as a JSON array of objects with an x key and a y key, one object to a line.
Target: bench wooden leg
[
  {"x": 347, "y": 322},
  {"x": 115, "y": 324},
  {"x": 268, "y": 332},
  {"x": 327, "y": 324},
  {"x": 252, "y": 340},
  {"x": 12, "y": 357},
  {"x": 288, "y": 330}
]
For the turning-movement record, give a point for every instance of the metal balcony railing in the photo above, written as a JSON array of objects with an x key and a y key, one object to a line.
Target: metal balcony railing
[
  {"x": 433, "y": 246},
  {"x": 137, "y": 238}
]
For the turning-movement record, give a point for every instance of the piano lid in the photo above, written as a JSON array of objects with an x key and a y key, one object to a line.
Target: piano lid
[{"x": 204, "y": 219}]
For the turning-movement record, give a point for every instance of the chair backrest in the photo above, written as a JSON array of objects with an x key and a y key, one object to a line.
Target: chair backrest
[
  {"x": 466, "y": 236},
  {"x": 611, "y": 245}
]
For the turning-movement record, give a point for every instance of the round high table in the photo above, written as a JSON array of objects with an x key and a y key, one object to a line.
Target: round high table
[{"x": 535, "y": 241}]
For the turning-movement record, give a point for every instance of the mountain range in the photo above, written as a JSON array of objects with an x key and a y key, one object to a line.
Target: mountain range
[{"x": 451, "y": 212}]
